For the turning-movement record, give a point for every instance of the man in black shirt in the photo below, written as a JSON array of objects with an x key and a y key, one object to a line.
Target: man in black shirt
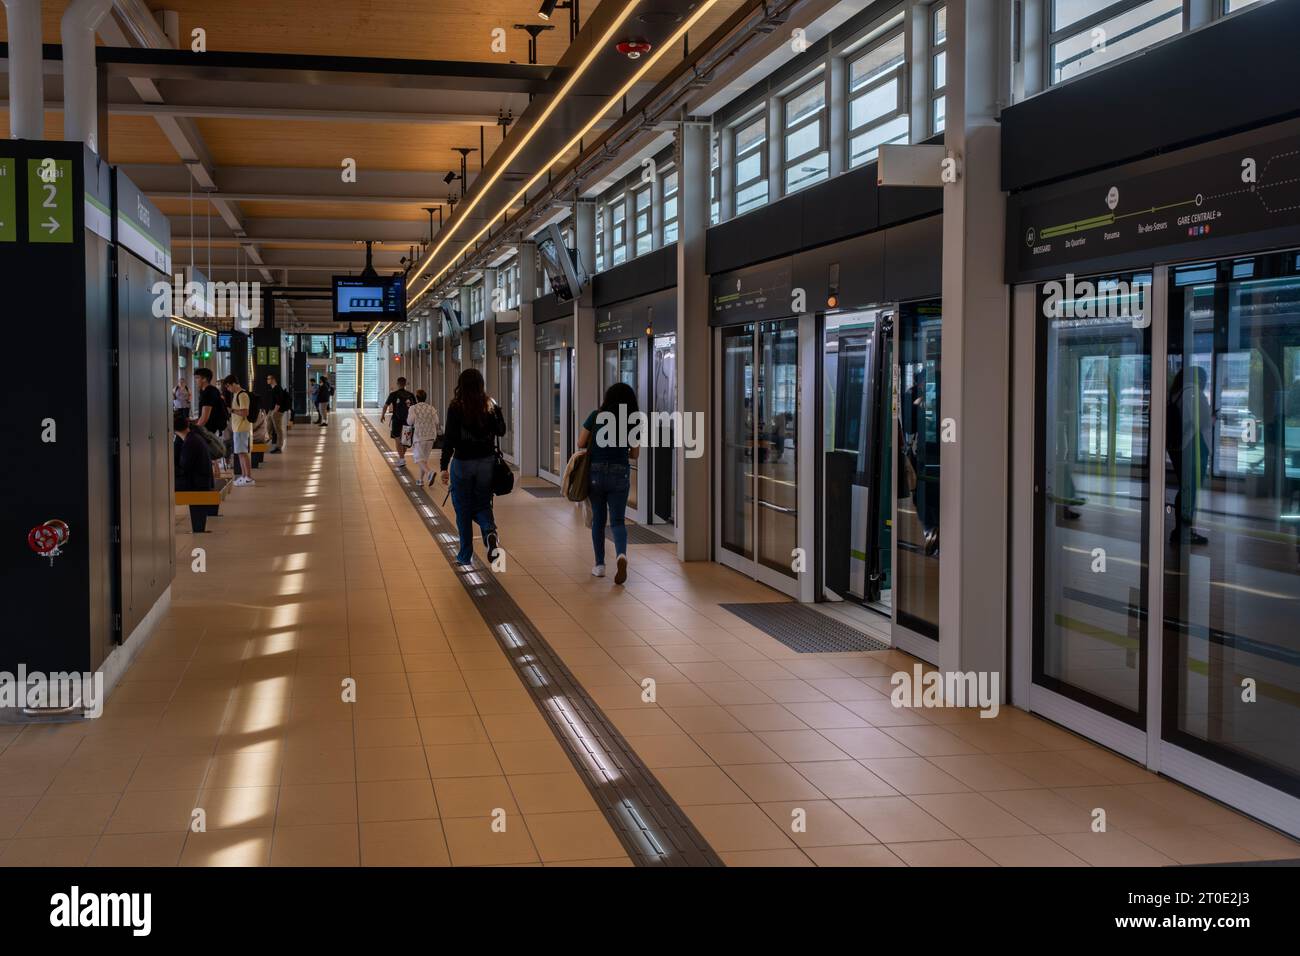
[
  {"x": 280, "y": 404},
  {"x": 399, "y": 401},
  {"x": 213, "y": 413}
]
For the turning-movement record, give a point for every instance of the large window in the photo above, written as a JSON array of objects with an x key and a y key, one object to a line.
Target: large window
[
  {"x": 476, "y": 310},
  {"x": 1086, "y": 34},
  {"x": 618, "y": 227},
  {"x": 750, "y": 158},
  {"x": 938, "y": 67},
  {"x": 877, "y": 101},
  {"x": 642, "y": 224},
  {"x": 807, "y": 160},
  {"x": 670, "y": 207}
]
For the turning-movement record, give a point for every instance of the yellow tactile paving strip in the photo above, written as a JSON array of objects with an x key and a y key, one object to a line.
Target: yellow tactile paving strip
[{"x": 322, "y": 572}]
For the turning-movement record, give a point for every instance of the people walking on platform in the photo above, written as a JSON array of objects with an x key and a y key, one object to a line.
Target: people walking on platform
[
  {"x": 241, "y": 424},
  {"x": 611, "y": 455},
  {"x": 281, "y": 405},
  {"x": 324, "y": 392},
  {"x": 193, "y": 465},
  {"x": 212, "y": 419},
  {"x": 422, "y": 419},
  {"x": 398, "y": 402},
  {"x": 474, "y": 423}
]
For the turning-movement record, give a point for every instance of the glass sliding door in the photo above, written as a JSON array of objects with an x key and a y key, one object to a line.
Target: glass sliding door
[
  {"x": 619, "y": 363},
  {"x": 555, "y": 399},
  {"x": 663, "y": 458},
  {"x": 737, "y": 435},
  {"x": 759, "y": 446},
  {"x": 1231, "y": 678},
  {"x": 856, "y": 451},
  {"x": 916, "y": 522},
  {"x": 506, "y": 396},
  {"x": 1091, "y": 495}
]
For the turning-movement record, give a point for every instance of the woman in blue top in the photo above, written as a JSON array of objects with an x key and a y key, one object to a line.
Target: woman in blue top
[{"x": 604, "y": 434}]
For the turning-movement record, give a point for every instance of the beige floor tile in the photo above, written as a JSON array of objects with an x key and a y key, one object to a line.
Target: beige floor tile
[
  {"x": 49, "y": 851},
  {"x": 1193, "y": 845},
  {"x": 736, "y": 748},
  {"x": 551, "y": 792},
  {"x": 741, "y": 826},
  {"x": 583, "y": 835},
  {"x": 817, "y": 823},
  {"x": 1031, "y": 851},
  {"x": 1112, "y": 848},
  {"x": 895, "y": 819},
  {"x": 326, "y": 845},
  {"x": 303, "y": 805},
  {"x": 708, "y": 719},
  {"x": 241, "y": 808},
  {"x": 153, "y": 811},
  {"x": 971, "y": 815},
  {"x": 69, "y": 815},
  {"x": 477, "y": 797},
  {"x": 911, "y": 775},
  {"x": 982, "y": 773},
  {"x": 403, "y": 843},
  {"x": 770, "y": 782},
  {"x": 390, "y": 732},
  {"x": 228, "y": 848},
  {"x": 532, "y": 756},
  {"x": 391, "y": 763},
  {"x": 1045, "y": 810},
  {"x": 138, "y": 849},
  {"x": 940, "y": 853},
  {"x": 472, "y": 842},
  {"x": 690, "y": 786},
  {"x": 766, "y": 858},
  {"x": 865, "y": 855},
  {"x": 1265, "y": 843},
  {"x": 669, "y": 750}
]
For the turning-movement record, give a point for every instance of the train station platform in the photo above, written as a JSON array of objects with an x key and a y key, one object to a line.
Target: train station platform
[{"x": 500, "y": 717}]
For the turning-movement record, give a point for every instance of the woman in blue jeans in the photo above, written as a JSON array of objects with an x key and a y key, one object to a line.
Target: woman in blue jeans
[
  {"x": 474, "y": 423},
  {"x": 604, "y": 435}
]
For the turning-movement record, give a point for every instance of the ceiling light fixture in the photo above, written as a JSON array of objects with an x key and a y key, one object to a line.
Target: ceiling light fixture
[{"x": 646, "y": 64}]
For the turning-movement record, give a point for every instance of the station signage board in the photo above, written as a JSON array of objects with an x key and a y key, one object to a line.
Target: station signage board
[
  {"x": 49, "y": 201},
  {"x": 8, "y": 200}
]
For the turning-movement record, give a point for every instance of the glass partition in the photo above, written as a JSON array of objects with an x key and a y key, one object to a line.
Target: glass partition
[
  {"x": 1232, "y": 516},
  {"x": 1092, "y": 490},
  {"x": 916, "y": 526}
]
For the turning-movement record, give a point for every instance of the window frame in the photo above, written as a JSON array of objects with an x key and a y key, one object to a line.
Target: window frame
[
  {"x": 898, "y": 73},
  {"x": 618, "y": 228},
  {"x": 759, "y": 146},
  {"x": 938, "y": 92},
  {"x": 637, "y": 210},
  {"x": 1053, "y": 35},
  {"x": 667, "y": 196},
  {"x": 821, "y": 117}
]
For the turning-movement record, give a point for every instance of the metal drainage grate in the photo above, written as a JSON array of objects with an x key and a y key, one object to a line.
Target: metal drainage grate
[
  {"x": 651, "y": 826},
  {"x": 802, "y": 629},
  {"x": 544, "y": 491},
  {"x": 638, "y": 534}
]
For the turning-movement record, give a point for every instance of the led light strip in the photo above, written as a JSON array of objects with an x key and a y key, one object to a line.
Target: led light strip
[
  {"x": 527, "y": 136},
  {"x": 192, "y": 326},
  {"x": 609, "y": 105}
]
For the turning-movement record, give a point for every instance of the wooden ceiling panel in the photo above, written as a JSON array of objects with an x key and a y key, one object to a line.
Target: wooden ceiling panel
[
  {"x": 396, "y": 146},
  {"x": 327, "y": 210}
]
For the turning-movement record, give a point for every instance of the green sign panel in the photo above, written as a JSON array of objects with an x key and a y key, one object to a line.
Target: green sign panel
[
  {"x": 8, "y": 202},
  {"x": 49, "y": 200}
]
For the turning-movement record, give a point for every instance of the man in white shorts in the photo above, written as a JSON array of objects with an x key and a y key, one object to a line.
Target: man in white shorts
[{"x": 422, "y": 419}]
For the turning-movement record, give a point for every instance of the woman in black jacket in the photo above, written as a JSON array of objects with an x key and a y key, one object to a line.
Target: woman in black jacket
[{"x": 474, "y": 423}]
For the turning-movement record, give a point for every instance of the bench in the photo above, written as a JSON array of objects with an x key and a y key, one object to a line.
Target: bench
[
  {"x": 257, "y": 450},
  {"x": 202, "y": 504}
]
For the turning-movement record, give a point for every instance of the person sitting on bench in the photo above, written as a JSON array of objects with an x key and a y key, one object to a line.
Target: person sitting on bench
[{"x": 193, "y": 466}]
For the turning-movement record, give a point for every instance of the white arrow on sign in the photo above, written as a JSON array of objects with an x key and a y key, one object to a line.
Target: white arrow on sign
[{"x": 50, "y": 225}]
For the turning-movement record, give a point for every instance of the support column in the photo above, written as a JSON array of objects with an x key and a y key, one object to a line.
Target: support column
[
  {"x": 526, "y": 425},
  {"x": 694, "y": 521},
  {"x": 26, "y": 79},
  {"x": 490, "y": 339},
  {"x": 586, "y": 355},
  {"x": 974, "y": 399}
]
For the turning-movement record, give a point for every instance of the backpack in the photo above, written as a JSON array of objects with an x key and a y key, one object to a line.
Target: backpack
[{"x": 254, "y": 407}]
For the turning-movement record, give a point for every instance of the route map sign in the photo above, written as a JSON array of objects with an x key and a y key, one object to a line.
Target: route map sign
[{"x": 1250, "y": 188}]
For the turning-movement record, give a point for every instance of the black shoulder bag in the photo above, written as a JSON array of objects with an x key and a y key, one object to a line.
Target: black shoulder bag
[{"x": 503, "y": 479}]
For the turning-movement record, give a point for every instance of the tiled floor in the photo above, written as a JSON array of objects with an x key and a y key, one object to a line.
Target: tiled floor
[{"x": 322, "y": 573}]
